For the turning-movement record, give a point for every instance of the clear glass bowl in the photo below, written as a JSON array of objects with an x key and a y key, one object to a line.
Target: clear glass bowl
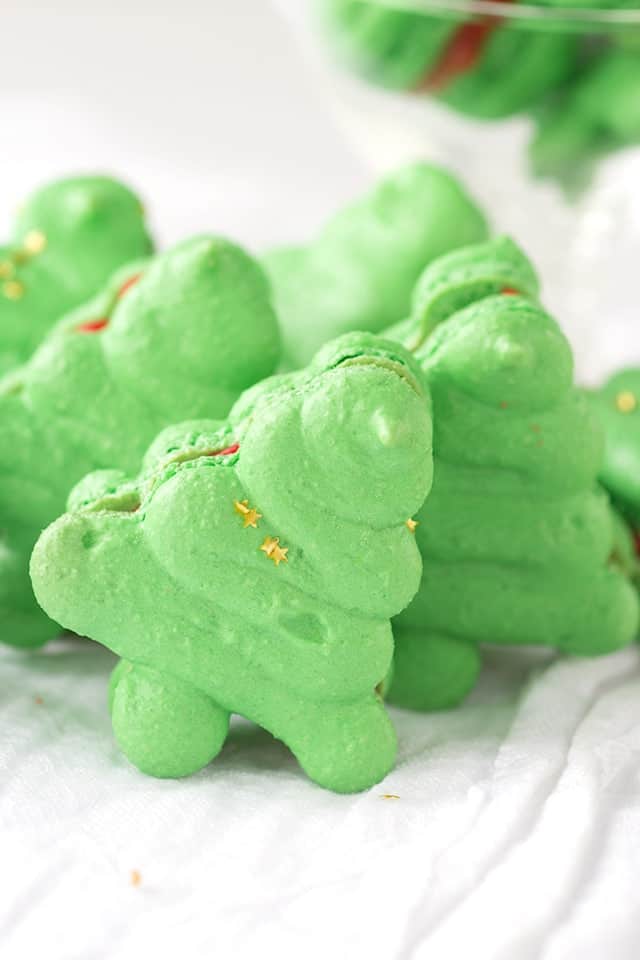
[{"x": 579, "y": 222}]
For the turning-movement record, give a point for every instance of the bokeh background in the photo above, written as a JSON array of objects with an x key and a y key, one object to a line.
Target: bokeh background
[{"x": 207, "y": 108}]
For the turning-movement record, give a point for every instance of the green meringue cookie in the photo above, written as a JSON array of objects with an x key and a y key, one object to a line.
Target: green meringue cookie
[
  {"x": 600, "y": 113},
  {"x": 464, "y": 276},
  {"x": 68, "y": 239},
  {"x": 520, "y": 545},
  {"x": 253, "y": 566},
  {"x": 179, "y": 336},
  {"x": 388, "y": 46},
  {"x": 578, "y": 78},
  {"x": 359, "y": 272},
  {"x": 481, "y": 67}
]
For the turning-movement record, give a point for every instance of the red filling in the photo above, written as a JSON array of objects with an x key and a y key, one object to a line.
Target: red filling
[
  {"x": 510, "y": 292},
  {"x": 224, "y": 453},
  {"x": 92, "y": 326},
  {"x": 636, "y": 541},
  {"x": 460, "y": 55},
  {"x": 126, "y": 286}
]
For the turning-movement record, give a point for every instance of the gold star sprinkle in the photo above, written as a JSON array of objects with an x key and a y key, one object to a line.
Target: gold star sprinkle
[
  {"x": 271, "y": 547},
  {"x": 135, "y": 878},
  {"x": 626, "y": 401},
  {"x": 249, "y": 514},
  {"x": 34, "y": 242},
  {"x": 7, "y": 269},
  {"x": 389, "y": 796},
  {"x": 13, "y": 289},
  {"x": 412, "y": 524}
]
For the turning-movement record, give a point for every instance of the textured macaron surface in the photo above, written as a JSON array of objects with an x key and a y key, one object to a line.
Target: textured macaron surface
[
  {"x": 485, "y": 67},
  {"x": 256, "y": 562},
  {"x": 517, "y": 538}
]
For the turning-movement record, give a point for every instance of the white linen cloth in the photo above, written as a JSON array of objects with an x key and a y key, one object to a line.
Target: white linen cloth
[{"x": 516, "y": 834}]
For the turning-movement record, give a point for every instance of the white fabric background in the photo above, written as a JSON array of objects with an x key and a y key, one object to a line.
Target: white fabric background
[{"x": 516, "y": 835}]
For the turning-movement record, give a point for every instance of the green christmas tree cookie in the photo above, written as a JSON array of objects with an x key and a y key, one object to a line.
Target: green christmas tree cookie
[
  {"x": 178, "y": 337},
  {"x": 253, "y": 567},
  {"x": 480, "y": 66},
  {"x": 578, "y": 78},
  {"x": 68, "y": 239},
  {"x": 518, "y": 541},
  {"x": 359, "y": 272},
  {"x": 598, "y": 114}
]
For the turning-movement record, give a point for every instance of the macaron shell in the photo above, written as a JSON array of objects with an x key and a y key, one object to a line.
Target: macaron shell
[
  {"x": 248, "y": 578},
  {"x": 152, "y": 348}
]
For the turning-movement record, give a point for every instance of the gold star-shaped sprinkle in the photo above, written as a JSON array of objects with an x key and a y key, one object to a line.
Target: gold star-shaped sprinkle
[
  {"x": 249, "y": 514},
  {"x": 626, "y": 401},
  {"x": 34, "y": 242},
  {"x": 389, "y": 796},
  {"x": 7, "y": 269},
  {"x": 13, "y": 289},
  {"x": 412, "y": 524},
  {"x": 271, "y": 547}
]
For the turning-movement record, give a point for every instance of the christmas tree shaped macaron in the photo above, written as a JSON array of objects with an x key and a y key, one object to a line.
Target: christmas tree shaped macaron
[
  {"x": 253, "y": 565},
  {"x": 597, "y": 114},
  {"x": 518, "y": 541},
  {"x": 177, "y": 337},
  {"x": 358, "y": 273},
  {"x": 68, "y": 239}
]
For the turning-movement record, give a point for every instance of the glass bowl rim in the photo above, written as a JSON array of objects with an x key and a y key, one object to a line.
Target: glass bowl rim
[{"x": 526, "y": 12}]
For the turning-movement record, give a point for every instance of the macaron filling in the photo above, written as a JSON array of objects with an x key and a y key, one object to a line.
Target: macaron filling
[
  {"x": 460, "y": 55},
  {"x": 95, "y": 326}
]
